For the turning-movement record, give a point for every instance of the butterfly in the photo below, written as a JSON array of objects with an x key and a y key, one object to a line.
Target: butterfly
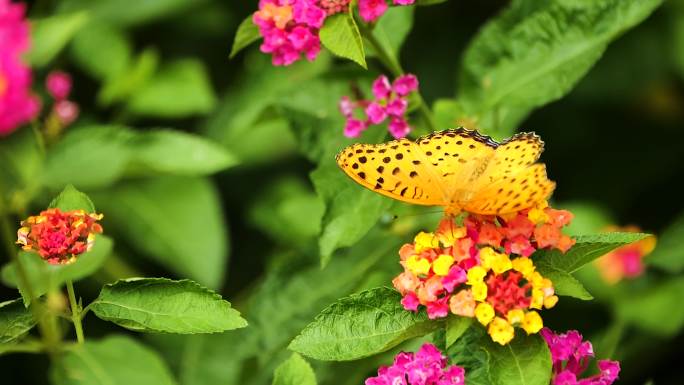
[{"x": 458, "y": 169}]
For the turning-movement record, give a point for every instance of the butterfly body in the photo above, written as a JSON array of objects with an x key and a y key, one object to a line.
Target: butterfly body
[{"x": 458, "y": 169}]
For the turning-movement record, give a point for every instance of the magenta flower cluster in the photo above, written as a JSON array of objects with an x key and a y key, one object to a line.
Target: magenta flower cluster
[
  {"x": 17, "y": 104},
  {"x": 371, "y": 10},
  {"x": 390, "y": 102},
  {"x": 428, "y": 366},
  {"x": 58, "y": 85},
  {"x": 571, "y": 355},
  {"x": 290, "y": 27}
]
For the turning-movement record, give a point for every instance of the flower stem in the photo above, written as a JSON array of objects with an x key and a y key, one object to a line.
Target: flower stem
[
  {"x": 391, "y": 62},
  {"x": 75, "y": 312},
  {"x": 40, "y": 139},
  {"x": 46, "y": 325}
]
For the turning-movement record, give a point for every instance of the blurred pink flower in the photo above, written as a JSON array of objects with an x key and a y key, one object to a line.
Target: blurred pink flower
[
  {"x": 390, "y": 101},
  {"x": 66, "y": 111},
  {"x": 17, "y": 104},
  {"x": 371, "y": 10},
  {"x": 58, "y": 84},
  {"x": 290, "y": 29}
]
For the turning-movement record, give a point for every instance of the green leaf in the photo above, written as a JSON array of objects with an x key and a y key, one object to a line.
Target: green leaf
[
  {"x": 163, "y": 305},
  {"x": 15, "y": 320},
  {"x": 669, "y": 251},
  {"x": 247, "y": 33},
  {"x": 524, "y": 361},
  {"x": 103, "y": 64},
  {"x": 564, "y": 283},
  {"x": 455, "y": 327},
  {"x": 51, "y": 34},
  {"x": 535, "y": 52},
  {"x": 170, "y": 152},
  {"x": 122, "y": 152},
  {"x": 361, "y": 325},
  {"x": 657, "y": 310},
  {"x": 43, "y": 277},
  {"x": 586, "y": 249},
  {"x": 71, "y": 199},
  {"x": 125, "y": 13},
  {"x": 89, "y": 157},
  {"x": 180, "y": 89},
  {"x": 120, "y": 87},
  {"x": 351, "y": 210},
  {"x": 115, "y": 360},
  {"x": 342, "y": 37},
  {"x": 393, "y": 28},
  {"x": 294, "y": 371},
  {"x": 176, "y": 221},
  {"x": 22, "y": 162}
]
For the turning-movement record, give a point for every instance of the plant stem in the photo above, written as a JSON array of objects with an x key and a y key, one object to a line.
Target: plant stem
[
  {"x": 391, "y": 62},
  {"x": 75, "y": 312},
  {"x": 40, "y": 139},
  {"x": 47, "y": 327}
]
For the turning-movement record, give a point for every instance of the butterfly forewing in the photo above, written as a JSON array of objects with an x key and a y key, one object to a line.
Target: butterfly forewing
[{"x": 396, "y": 169}]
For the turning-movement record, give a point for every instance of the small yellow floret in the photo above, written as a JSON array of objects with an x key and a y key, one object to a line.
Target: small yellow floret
[
  {"x": 550, "y": 301},
  {"x": 479, "y": 290},
  {"x": 501, "y": 331},
  {"x": 425, "y": 241},
  {"x": 418, "y": 265},
  {"x": 532, "y": 322},
  {"x": 442, "y": 264},
  {"x": 515, "y": 316},
  {"x": 484, "y": 313},
  {"x": 476, "y": 274},
  {"x": 523, "y": 265}
]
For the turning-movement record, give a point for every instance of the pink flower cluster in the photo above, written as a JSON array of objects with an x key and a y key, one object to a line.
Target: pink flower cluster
[
  {"x": 428, "y": 366},
  {"x": 371, "y": 10},
  {"x": 391, "y": 102},
  {"x": 290, "y": 29},
  {"x": 570, "y": 356},
  {"x": 58, "y": 85},
  {"x": 17, "y": 104}
]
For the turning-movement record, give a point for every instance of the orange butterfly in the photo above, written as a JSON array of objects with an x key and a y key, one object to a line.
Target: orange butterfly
[{"x": 458, "y": 169}]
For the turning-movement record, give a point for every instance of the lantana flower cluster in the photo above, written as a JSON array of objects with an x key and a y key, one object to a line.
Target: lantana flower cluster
[
  {"x": 625, "y": 261},
  {"x": 17, "y": 104},
  {"x": 482, "y": 269},
  {"x": 571, "y": 355},
  {"x": 390, "y": 102},
  {"x": 59, "y": 237},
  {"x": 290, "y": 27},
  {"x": 428, "y": 366}
]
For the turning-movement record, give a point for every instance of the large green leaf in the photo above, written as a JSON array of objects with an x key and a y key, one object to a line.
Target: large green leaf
[
  {"x": 115, "y": 360},
  {"x": 455, "y": 327},
  {"x": 174, "y": 220},
  {"x": 586, "y": 249},
  {"x": 43, "y": 277},
  {"x": 294, "y": 371},
  {"x": 246, "y": 34},
  {"x": 123, "y": 85},
  {"x": 51, "y": 34},
  {"x": 71, "y": 199},
  {"x": 524, "y": 361},
  {"x": 15, "y": 320},
  {"x": 97, "y": 156},
  {"x": 163, "y": 305},
  {"x": 342, "y": 37},
  {"x": 180, "y": 89},
  {"x": 669, "y": 251},
  {"x": 393, "y": 28},
  {"x": 558, "y": 266},
  {"x": 535, "y": 52},
  {"x": 86, "y": 50},
  {"x": 361, "y": 325}
]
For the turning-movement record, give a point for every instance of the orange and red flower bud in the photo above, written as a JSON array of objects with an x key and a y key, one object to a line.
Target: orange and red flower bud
[{"x": 59, "y": 237}]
